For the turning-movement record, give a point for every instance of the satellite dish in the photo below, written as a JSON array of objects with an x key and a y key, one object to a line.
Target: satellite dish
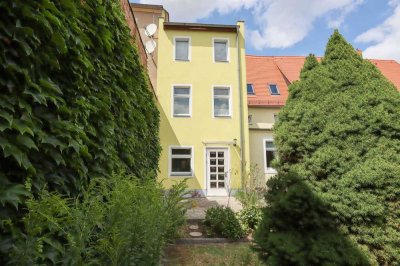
[
  {"x": 150, "y": 29},
  {"x": 150, "y": 46}
]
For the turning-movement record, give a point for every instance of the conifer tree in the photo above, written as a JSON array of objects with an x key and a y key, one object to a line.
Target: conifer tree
[{"x": 340, "y": 132}]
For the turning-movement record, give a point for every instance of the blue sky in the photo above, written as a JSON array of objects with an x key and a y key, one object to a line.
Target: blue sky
[{"x": 300, "y": 27}]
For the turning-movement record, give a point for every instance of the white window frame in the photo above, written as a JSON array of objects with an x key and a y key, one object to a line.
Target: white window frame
[
  {"x": 227, "y": 48},
  {"x": 189, "y": 48},
  {"x": 268, "y": 170},
  {"x": 181, "y": 86},
  {"x": 170, "y": 157},
  {"x": 230, "y": 100}
]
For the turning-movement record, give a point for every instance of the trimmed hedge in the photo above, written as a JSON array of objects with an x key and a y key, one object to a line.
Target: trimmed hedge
[{"x": 75, "y": 102}]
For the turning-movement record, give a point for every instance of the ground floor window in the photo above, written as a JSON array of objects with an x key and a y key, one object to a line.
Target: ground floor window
[
  {"x": 269, "y": 155},
  {"x": 181, "y": 161}
]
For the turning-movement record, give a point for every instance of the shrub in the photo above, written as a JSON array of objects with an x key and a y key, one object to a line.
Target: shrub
[
  {"x": 121, "y": 221},
  {"x": 297, "y": 228},
  {"x": 250, "y": 217},
  {"x": 340, "y": 131},
  {"x": 223, "y": 222}
]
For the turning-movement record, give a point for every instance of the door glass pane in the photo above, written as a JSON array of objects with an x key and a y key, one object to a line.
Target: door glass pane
[
  {"x": 220, "y": 161},
  {"x": 213, "y": 184},
  {"x": 221, "y": 184},
  {"x": 213, "y": 177},
  {"x": 182, "y": 50},
  {"x": 181, "y": 165},
  {"x": 220, "y": 51},
  {"x": 213, "y": 162},
  {"x": 270, "y": 156},
  {"x": 221, "y": 169},
  {"x": 220, "y": 154},
  {"x": 213, "y": 154},
  {"x": 221, "y": 177},
  {"x": 181, "y": 106},
  {"x": 213, "y": 169}
]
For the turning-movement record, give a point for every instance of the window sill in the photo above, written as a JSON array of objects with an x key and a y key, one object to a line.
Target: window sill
[
  {"x": 270, "y": 171},
  {"x": 221, "y": 61},
  {"x": 181, "y": 60},
  {"x": 222, "y": 116},
  {"x": 180, "y": 175},
  {"x": 181, "y": 115}
]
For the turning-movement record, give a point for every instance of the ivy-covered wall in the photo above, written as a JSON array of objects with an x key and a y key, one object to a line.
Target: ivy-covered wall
[{"x": 74, "y": 99}]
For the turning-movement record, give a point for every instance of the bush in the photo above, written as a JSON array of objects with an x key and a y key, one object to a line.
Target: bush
[
  {"x": 340, "y": 132},
  {"x": 223, "y": 222},
  {"x": 250, "y": 217},
  {"x": 121, "y": 221},
  {"x": 297, "y": 228}
]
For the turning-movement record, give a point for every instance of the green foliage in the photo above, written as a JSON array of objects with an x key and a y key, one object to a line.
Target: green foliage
[
  {"x": 251, "y": 198},
  {"x": 117, "y": 221},
  {"x": 223, "y": 222},
  {"x": 74, "y": 100},
  {"x": 297, "y": 228},
  {"x": 340, "y": 131}
]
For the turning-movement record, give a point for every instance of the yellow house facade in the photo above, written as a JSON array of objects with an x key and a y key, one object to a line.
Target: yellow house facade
[{"x": 201, "y": 91}]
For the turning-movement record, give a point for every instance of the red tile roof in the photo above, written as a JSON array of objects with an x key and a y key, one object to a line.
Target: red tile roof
[{"x": 283, "y": 70}]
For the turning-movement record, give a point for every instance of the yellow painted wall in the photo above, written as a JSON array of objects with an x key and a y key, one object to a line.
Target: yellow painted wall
[
  {"x": 262, "y": 117},
  {"x": 201, "y": 73}
]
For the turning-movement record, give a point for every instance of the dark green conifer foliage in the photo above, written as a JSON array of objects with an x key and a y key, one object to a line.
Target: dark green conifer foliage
[
  {"x": 74, "y": 100},
  {"x": 340, "y": 131}
]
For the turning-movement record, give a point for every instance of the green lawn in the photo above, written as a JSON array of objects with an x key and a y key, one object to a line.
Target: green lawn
[{"x": 211, "y": 254}]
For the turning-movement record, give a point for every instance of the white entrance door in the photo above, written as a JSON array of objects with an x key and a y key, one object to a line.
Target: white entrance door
[{"x": 217, "y": 172}]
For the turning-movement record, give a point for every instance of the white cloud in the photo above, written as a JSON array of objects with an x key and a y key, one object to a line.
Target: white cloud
[
  {"x": 284, "y": 23},
  {"x": 279, "y": 23},
  {"x": 192, "y": 10},
  {"x": 384, "y": 38}
]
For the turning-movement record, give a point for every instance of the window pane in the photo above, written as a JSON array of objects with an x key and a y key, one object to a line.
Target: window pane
[
  {"x": 250, "y": 89},
  {"x": 221, "y": 184},
  {"x": 221, "y": 92},
  {"x": 273, "y": 89},
  {"x": 220, "y": 51},
  {"x": 181, "y": 165},
  {"x": 221, "y": 107},
  {"x": 181, "y": 151},
  {"x": 270, "y": 156},
  {"x": 182, "y": 91},
  {"x": 181, "y": 106},
  {"x": 269, "y": 144},
  {"x": 182, "y": 50}
]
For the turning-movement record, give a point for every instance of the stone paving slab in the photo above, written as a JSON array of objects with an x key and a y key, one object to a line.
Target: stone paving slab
[{"x": 198, "y": 206}]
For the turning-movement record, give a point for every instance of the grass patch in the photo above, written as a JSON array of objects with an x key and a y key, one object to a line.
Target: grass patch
[{"x": 211, "y": 254}]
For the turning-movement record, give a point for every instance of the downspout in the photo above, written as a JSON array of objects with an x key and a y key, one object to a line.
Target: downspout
[{"x": 242, "y": 154}]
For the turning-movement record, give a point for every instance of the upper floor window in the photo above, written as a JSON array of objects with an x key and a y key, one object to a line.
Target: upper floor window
[
  {"x": 269, "y": 155},
  {"x": 182, "y": 49},
  {"x": 181, "y": 101},
  {"x": 222, "y": 101},
  {"x": 221, "y": 51},
  {"x": 250, "y": 89},
  {"x": 276, "y": 117},
  {"x": 273, "y": 88},
  {"x": 250, "y": 119}
]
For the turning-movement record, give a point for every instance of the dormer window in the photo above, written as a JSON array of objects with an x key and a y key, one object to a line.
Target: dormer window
[
  {"x": 273, "y": 89},
  {"x": 250, "y": 89}
]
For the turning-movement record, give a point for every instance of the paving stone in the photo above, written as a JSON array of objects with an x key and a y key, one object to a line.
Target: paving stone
[
  {"x": 194, "y": 227},
  {"x": 195, "y": 234}
]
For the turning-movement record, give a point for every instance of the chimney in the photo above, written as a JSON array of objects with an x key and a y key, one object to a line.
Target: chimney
[{"x": 359, "y": 52}]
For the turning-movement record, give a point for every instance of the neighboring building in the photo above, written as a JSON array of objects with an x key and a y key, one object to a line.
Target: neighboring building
[{"x": 268, "y": 78}]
